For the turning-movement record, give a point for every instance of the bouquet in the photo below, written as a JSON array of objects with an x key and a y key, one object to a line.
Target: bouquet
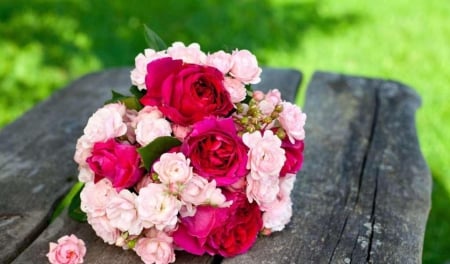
[{"x": 193, "y": 159}]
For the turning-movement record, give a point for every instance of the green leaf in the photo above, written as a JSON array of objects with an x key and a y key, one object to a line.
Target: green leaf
[
  {"x": 156, "y": 148},
  {"x": 75, "y": 208},
  {"x": 131, "y": 102},
  {"x": 136, "y": 92},
  {"x": 248, "y": 97},
  {"x": 153, "y": 40}
]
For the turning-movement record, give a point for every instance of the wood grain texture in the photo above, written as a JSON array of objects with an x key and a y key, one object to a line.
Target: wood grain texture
[
  {"x": 37, "y": 169},
  {"x": 363, "y": 195}
]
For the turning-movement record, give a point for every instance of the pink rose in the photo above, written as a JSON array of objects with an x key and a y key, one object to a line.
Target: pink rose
[
  {"x": 198, "y": 191},
  {"x": 293, "y": 121},
  {"x": 173, "y": 170},
  {"x": 103, "y": 229},
  {"x": 122, "y": 213},
  {"x": 236, "y": 89},
  {"x": 279, "y": 212},
  {"x": 138, "y": 74},
  {"x": 180, "y": 132},
  {"x": 266, "y": 157},
  {"x": 186, "y": 93},
  {"x": 294, "y": 156},
  {"x": 262, "y": 190},
  {"x": 220, "y": 60},
  {"x": 118, "y": 162},
  {"x": 95, "y": 196},
  {"x": 85, "y": 174},
  {"x": 106, "y": 123},
  {"x": 189, "y": 54},
  {"x": 144, "y": 181},
  {"x": 150, "y": 128},
  {"x": 157, "y": 208},
  {"x": 155, "y": 247},
  {"x": 226, "y": 231},
  {"x": 271, "y": 99},
  {"x": 83, "y": 150},
  {"x": 245, "y": 67},
  {"x": 68, "y": 250},
  {"x": 216, "y": 152}
]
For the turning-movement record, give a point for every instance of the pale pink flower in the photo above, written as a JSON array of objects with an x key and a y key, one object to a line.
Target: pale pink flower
[
  {"x": 271, "y": 99},
  {"x": 235, "y": 88},
  {"x": 148, "y": 112},
  {"x": 156, "y": 207},
  {"x": 245, "y": 67},
  {"x": 149, "y": 128},
  {"x": 189, "y": 54},
  {"x": 258, "y": 95},
  {"x": 156, "y": 247},
  {"x": 144, "y": 181},
  {"x": 238, "y": 186},
  {"x": 220, "y": 60},
  {"x": 198, "y": 191},
  {"x": 265, "y": 155},
  {"x": 293, "y": 121},
  {"x": 138, "y": 74},
  {"x": 95, "y": 196},
  {"x": 83, "y": 150},
  {"x": 279, "y": 212},
  {"x": 122, "y": 213},
  {"x": 129, "y": 119},
  {"x": 85, "y": 174},
  {"x": 173, "y": 169},
  {"x": 68, "y": 250},
  {"x": 180, "y": 132},
  {"x": 103, "y": 228},
  {"x": 106, "y": 123},
  {"x": 262, "y": 190},
  {"x": 273, "y": 96}
]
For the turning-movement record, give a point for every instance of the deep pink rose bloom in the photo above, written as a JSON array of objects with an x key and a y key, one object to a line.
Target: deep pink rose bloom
[
  {"x": 226, "y": 231},
  {"x": 215, "y": 151},
  {"x": 294, "y": 156},
  {"x": 118, "y": 162},
  {"x": 184, "y": 92}
]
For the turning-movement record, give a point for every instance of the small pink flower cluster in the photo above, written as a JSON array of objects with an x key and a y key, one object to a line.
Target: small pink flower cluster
[{"x": 227, "y": 177}]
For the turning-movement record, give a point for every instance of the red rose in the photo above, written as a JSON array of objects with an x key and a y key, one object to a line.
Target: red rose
[
  {"x": 225, "y": 231},
  {"x": 186, "y": 93},
  {"x": 294, "y": 156},
  {"x": 216, "y": 152},
  {"x": 120, "y": 163}
]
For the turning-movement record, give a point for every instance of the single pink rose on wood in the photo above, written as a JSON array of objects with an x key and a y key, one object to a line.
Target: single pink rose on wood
[{"x": 68, "y": 250}]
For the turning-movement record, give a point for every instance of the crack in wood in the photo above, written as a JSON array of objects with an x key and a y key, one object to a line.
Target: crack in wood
[{"x": 372, "y": 213}]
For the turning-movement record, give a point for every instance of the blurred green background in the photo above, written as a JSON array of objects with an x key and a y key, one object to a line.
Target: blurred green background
[{"x": 46, "y": 44}]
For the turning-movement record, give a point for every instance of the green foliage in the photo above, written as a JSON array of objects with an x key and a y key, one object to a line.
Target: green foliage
[
  {"x": 156, "y": 148},
  {"x": 153, "y": 40},
  {"x": 131, "y": 102},
  {"x": 46, "y": 44},
  {"x": 74, "y": 202}
]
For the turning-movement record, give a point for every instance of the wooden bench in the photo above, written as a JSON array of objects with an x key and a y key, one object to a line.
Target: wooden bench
[{"x": 363, "y": 194}]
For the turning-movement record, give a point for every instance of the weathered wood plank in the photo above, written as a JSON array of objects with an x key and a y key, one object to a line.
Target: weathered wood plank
[
  {"x": 363, "y": 195},
  {"x": 36, "y": 164},
  {"x": 69, "y": 110}
]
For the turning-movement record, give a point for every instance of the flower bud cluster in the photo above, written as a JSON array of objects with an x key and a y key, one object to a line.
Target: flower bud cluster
[{"x": 251, "y": 117}]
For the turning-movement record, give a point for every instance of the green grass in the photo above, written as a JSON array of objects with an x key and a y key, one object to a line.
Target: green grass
[{"x": 46, "y": 44}]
